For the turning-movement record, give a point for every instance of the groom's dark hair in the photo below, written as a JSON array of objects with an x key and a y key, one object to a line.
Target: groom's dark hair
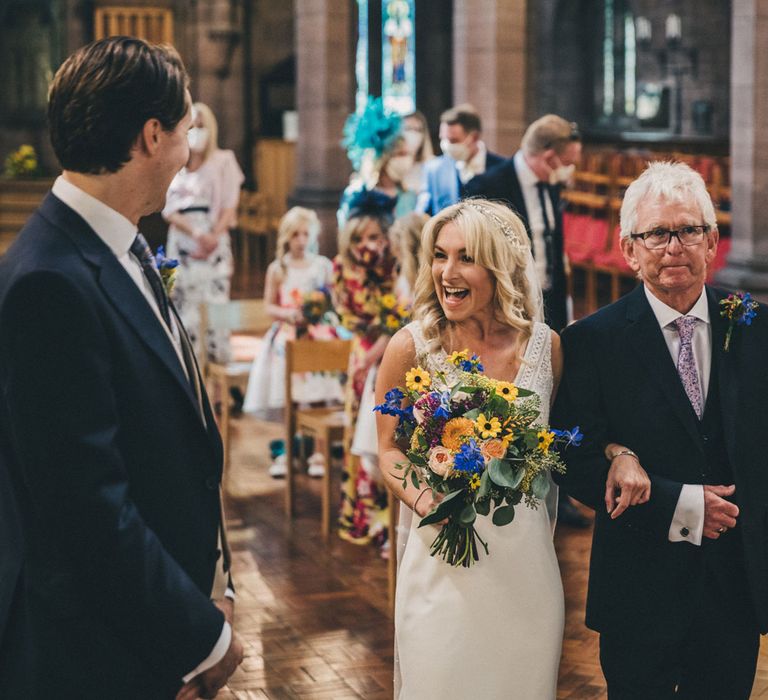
[{"x": 105, "y": 92}]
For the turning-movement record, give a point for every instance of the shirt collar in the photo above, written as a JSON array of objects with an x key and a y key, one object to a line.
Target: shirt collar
[
  {"x": 525, "y": 175},
  {"x": 111, "y": 226},
  {"x": 476, "y": 163},
  {"x": 665, "y": 315}
]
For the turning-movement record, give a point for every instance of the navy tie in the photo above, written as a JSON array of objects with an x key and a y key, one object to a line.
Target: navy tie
[
  {"x": 140, "y": 248},
  {"x": 544, "y": 194}
]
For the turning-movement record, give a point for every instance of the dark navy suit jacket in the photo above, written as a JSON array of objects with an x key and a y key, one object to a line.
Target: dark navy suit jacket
[
  {"x": 115, "y": 477},
  {"x": 620, "y": 385}
]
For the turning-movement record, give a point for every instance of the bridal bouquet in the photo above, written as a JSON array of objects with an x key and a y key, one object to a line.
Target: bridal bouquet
[
  {"x": 392, "y": 315},
  {"x": 474, "y": 440},
  {"x": 316, "y": 308}
]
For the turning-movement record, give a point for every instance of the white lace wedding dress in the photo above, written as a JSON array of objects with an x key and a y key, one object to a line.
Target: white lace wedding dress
[{"x": 493, "y": 630}]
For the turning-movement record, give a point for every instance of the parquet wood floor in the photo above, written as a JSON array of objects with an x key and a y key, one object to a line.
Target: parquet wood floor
[{"x": 314, "y": 616}]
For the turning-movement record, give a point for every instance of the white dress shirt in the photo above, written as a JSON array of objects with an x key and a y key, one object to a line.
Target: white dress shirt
[
  {"x": 528, "y": 181},
  {"x": 689, "y": 513},
  {"x": 474, "y": 166},
  {"x": 118, "y": 233}
]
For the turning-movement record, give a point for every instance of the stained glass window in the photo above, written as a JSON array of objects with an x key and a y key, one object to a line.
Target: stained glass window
[
  {"x": 398, "y": 65},
  {"x": 361, "y": 56}
]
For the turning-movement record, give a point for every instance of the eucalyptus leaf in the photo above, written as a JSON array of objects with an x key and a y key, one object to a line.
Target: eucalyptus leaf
[
  {"x": 503, "y": 474},
  {"x": 514, "y": 497},
  {"x": 473, "y": 414},
  {"x": 485, "y": 487},
  {"x": 467, "y": 515},
  {"x": 447, "y": 506},
  {"x": 503, "y": 515},
  {"x": 522, "y": 393},
  {"x": 415, "y": 479},
  {"x": 483, "y": 507},
  {"x": 540, "y": 485},
  {"x": 531, "y": 439}
]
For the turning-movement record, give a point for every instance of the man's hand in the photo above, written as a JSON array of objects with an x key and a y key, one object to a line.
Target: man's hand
[
  {"x": 227, "y": 606},
  {"x": 190, "y": 691},
  {"x": 216, "y": 677},
  {"x": 627, "y": 485},
  {"x": 719, "y": 514}
]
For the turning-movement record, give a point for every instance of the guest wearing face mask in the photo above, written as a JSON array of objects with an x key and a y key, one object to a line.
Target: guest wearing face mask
[
  {"x": 201, "y": 208},
  {"x": 394, "y": 167},
  {"x": 419, "y": 145},
  {"x": 465, "y": 156},
  {"x": 530, "y": 183}
]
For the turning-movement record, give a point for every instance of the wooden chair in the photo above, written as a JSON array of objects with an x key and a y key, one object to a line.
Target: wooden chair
[
  {"x": 245, "y": 315},
  {"x": 255, "y": 220},
  {"x": 326, "y": 423}
]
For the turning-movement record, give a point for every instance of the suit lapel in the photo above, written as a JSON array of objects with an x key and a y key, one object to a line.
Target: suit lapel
[
  {"x": 646, "y": 339},
  {"x": 517, "y": 198},
  {"x": 120, "y": 289}
]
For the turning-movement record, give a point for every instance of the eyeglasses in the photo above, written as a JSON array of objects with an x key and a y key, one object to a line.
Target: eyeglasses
[{"x": 660, "y": 237}]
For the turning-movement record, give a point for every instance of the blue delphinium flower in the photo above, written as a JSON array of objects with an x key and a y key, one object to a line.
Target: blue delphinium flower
[
  {"x": 571, "y": 437},
  {"x": 444, "y": 409},
  {"x": 469, "y": 459},
  {"x": 391, "y": 405}
]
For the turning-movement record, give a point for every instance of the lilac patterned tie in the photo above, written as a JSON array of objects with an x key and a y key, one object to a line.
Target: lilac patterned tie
[{"x": 686, "y": 363}]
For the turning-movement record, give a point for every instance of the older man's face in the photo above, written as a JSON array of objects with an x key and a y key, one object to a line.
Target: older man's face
[{"x": 674, "y": 269}]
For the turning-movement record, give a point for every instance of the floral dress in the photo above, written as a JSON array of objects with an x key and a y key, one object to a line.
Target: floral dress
[{"x": 358, "y": 290}]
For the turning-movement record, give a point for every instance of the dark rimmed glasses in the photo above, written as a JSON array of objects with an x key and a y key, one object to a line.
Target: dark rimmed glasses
[{"x": 660, "y": 237}]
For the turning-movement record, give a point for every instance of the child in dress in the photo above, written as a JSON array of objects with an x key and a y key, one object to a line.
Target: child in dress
[{"x": 295, "y": 272}]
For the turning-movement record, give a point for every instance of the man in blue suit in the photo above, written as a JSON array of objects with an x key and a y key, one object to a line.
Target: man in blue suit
[
  {"x": 464, "y": 157},
  {"x": 106, "y": 433}
]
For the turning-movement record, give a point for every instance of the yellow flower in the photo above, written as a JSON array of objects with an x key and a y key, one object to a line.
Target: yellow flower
[
  {"x": 415, "y": 439},
  {"x": 417, "y": 379},
  {"x": 456, "y": 431},
  {"x": 488, "y": 427},
  {"x": 457, "y": 357},
  {"x": 389, "y": 301},
  {"x": 392, "y": 322},
  {"x": 545, "y": 440},
  {"x": 474, "y": 482},
  {"x": 507, "y": 390}
]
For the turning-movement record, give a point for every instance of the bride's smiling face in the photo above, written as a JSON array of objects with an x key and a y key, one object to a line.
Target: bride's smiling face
[{"x": 464, "y": 288}]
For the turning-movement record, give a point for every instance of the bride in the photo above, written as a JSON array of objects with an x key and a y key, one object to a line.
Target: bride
[{"x": 493, "y": 630}]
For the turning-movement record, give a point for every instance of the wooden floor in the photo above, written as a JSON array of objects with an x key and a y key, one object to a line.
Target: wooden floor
[{"x": 315, "y": 616}]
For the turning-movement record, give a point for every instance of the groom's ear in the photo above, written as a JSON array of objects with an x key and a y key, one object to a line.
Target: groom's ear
[{"x": 148, "y": 139}]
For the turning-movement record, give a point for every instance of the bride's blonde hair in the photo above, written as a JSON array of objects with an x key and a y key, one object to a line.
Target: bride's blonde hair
[{"x": 497, "y": 240}]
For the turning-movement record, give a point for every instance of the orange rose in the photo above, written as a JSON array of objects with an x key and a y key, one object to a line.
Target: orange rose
[{"x": 493, "y": 449}]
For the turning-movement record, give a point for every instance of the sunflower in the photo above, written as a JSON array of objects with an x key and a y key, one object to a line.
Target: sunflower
[
  {"x": 456, "y": 431},
  {"x": 418, "y": 379},
  {"x": 545, "y": 440},
  {"x": 487, "y": 427},
  {"x": 392, "y": 322},
  {"x": 506, "y": 390},
  {"x": 474, "y": 482},
  {"x": 456, "y": 358},
  {"x": 388, "y": 301}
]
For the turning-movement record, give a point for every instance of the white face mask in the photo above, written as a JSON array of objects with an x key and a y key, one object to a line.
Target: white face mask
[
  {"x": 457, "y": 151},
  {"x": 413, "y": 139},
  {"x": 399, "y": 167},
  {"x": 562, "y": 175},
  {"x": 198, "y": 138}
]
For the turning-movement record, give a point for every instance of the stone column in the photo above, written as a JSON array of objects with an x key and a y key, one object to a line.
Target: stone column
[
  {"x": 325, "y": 97},
  {"x": 490, "y": 68},
  {"x": 747, "y": 267}
]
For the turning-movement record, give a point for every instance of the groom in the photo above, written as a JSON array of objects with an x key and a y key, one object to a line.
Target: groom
[
  {"x": 678, "y": 585},
  {"x": 106, "y": 432}
]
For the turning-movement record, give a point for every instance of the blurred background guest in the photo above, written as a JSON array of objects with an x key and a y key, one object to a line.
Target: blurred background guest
[
  {"x": 294, "y": 275},
  {"x": 201, "y": 208}
]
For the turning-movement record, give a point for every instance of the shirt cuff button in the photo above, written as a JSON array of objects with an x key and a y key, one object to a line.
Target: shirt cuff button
[{"x": 684, "y": 531}]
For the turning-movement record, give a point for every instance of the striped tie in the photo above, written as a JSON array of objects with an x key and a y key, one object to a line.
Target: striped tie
[{"x": 140, "y": 248}]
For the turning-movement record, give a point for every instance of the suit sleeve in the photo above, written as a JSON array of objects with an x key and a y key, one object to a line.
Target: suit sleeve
[
  {"x": 581, "y": 400},
  {"x": 64, "y": 427}
]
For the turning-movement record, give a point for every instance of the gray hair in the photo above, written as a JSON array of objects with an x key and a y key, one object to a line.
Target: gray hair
[{"x": 665, "y": 180}]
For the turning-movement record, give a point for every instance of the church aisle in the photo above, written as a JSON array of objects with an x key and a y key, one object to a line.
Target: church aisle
[{"x": 314, "y": 616}]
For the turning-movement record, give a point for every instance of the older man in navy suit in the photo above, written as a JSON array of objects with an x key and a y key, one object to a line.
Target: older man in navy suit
[
  {"x": 105, "y": 428},
  {"x": 673, "y": 412},
  {"x": 464, "y": 157}
]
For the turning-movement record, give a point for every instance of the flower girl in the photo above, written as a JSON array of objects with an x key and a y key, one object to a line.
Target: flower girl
[{"x": 296, "y": 275}]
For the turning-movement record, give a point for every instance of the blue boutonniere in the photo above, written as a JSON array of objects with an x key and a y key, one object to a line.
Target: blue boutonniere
[
  {"x": 739, "y": 309},
  {"x": 168, "y": 268}
]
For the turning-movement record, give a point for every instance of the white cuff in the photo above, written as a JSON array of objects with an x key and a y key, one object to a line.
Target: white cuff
[
  {"x": 229, "y": 593},
  {"x": 688, "y": 519},
  {"x": 219, "y": 649}
]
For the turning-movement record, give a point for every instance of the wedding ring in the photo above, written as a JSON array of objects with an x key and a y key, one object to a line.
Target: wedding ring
[{"x": 721, "y": 530}]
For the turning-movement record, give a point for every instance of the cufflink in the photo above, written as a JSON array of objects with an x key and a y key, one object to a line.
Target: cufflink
[{"x": 684, "y": 531}]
